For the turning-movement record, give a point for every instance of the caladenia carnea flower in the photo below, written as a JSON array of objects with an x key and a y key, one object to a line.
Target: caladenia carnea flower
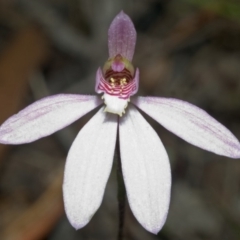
[{"x": 145, "y": 163}]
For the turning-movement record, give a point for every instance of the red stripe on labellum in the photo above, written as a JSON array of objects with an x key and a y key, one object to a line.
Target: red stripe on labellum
[{"x": 120, "y": 84}]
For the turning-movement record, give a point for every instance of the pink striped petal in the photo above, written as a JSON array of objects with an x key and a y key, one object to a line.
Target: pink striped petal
[
  {"x": 192, "y": 124},
  {"x": 146, "y": 171},
  {"x": 88, "y": 166},
  {"x": 45, "y": 117},
  {"x": 122, "y": 37},
  {"x": 123, "y": 92}
]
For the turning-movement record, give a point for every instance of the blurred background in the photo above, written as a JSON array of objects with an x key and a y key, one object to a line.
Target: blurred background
[{"x": 186, "y": 49}]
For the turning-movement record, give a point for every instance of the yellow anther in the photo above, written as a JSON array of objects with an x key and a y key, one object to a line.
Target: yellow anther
[
  {"x": 112, "y": 80},
  {"x": 123, "y": 81}
]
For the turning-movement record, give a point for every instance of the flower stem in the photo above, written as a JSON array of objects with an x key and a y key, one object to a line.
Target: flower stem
[{"x": 121, "y": 196}]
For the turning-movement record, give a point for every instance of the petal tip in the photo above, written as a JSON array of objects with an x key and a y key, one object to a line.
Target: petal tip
[
  {"x": 153, "y": 229},
  {"x": 236, "y": 154},
  {"x": 78, "y": 226},
  {"x": 75, "y": 221},
  {"x": 121, "y": 14}
]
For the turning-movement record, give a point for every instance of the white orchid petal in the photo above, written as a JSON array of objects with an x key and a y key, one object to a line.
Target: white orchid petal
[
  {"x": 88, "y": 166},
  {"x": 146, "y": 171},
  {"x": 192, "y": 124},
  {"x": 45, "y": 117}
]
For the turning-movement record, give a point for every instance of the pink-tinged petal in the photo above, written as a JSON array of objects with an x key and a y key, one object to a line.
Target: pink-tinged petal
[
  {"x": 88, "y": 166},
  {"x": 136, "y": 83},
  {"x": 45, "y": 117},
  {"x": 146, "y": 171},
  {"x": 122, "y": 37},
  {"x": 192, "y": 124},
  {"x": 99, "y": 80}
]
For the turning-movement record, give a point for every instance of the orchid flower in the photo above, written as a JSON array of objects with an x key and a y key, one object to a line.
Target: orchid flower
[{"x": 145, "y": 163}]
